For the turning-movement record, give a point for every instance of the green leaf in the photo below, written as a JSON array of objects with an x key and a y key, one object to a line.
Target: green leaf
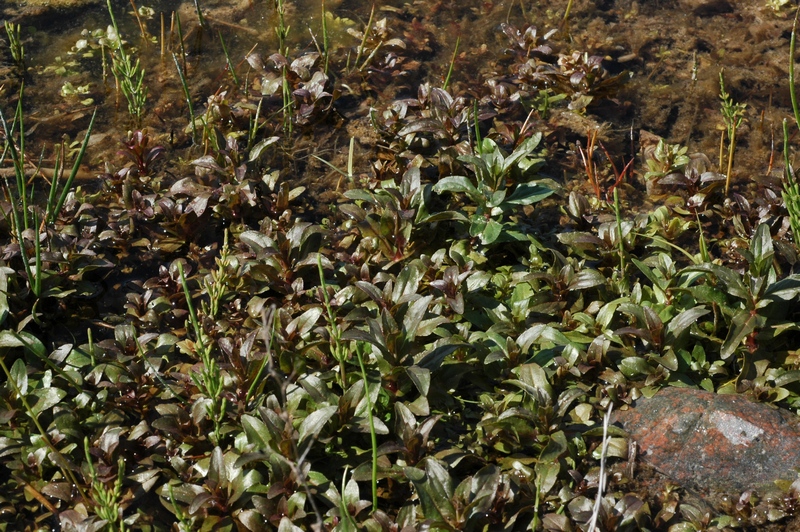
[
  {"x": 491, "y": 232},
  {"x": 587, "y": 278},
  {"x": 732, "y": 280},
  {"x": 413, "y": 316},
  {"x": 257, "y": 432},
  {"x": 305, "y": 322},
  {"x": 441, "y": 486},
  {"x": 521, "y": 151},
  {"x": 445, "y": 216},
  {"x": 4, "y": 272},
  {"x": 408, "y": 281},
  {"x": 260, "y": 146},
  {"x": 47, "y": 399},
  {"x": 434, "y": 488},
  {"x": 23, "y": 339},
  {"x": 371, "y": 290},
  {"x": 633, "y": 367},
  {"x": 216, "y": 469},
  {"x": 421, "y": 377},
  {"x": 546, "y": 475},
  {"x": 762, "y": 250},
  {"x": 742, "y": 324},
  {"x": 19, "y": 374},
  {"x": 681, "y": 324},
  {"x": 433, "y": 359},
  {"x": 528, "y": 193},
  {"x": 256, "y": 240},
  {"x": 419, "y": 478},
  {"x": 316, "y": 420},
  {"x": 787, "y": 289},
  {"x": 456, "y": 183}
]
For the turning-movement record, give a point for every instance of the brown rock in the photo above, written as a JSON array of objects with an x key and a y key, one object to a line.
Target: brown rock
[{"x": 715, "y": 442}]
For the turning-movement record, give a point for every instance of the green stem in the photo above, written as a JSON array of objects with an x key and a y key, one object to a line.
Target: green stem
[
  {"x": 73, "y": 174},
  {"x": 792, "y": 91},
  {"x": 187, "y": 96},
  {"x": 373, "y": 437},
  {"x": 452, "y": 64}
]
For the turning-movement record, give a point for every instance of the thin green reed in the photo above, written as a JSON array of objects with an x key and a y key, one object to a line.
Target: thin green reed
[
  {"x": 231, "y": 67},
  {"x": 373, "y": 437},
  {"x": 54, "y": 211},
  {"x": 187, "y": 96}
]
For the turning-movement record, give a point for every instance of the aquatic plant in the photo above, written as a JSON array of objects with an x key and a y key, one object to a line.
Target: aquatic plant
[
  {"x": 128, "y": 73},
  {"x": 493, "y": 170},
  {"x": 733, "y": 115},
  {"x": 228, "y": 334},
  {"x": 13, "y": 32}
]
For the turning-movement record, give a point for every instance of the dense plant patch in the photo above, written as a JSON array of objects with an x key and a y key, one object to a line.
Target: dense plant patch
[{"x": 425, "y": 327}]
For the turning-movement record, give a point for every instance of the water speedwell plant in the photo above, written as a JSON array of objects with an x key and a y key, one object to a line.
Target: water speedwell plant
[{"x": 487, "y": 189}]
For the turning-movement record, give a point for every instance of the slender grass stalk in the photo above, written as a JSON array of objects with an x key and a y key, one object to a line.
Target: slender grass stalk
[
  {"x": 187, "y": 96},
  {"x": 349, "y": 173},
  {"x": 565, "y": 21},
  {"x": 57, "y": 170},
  {"x": 373, "y": 437},
  {"x": 231, "y": 68},
  {"x": 288, "y": 101},
  {"x": 37, "y": 254},
  {"x": 348, "y": 523},
  {"x": 22, "y": 183},
  {"x": 90, "y": 341},
  {"x": 452, "y": 64},
  {"x": 478, "y": 140},
  {"x": 270, "y": 317},
  {"x": 621, "y": 246},
  {"x": 252, "y": 130},
  {"x": 52, "y": 214},
  {"x": 180, "y": 41},
  {"x": 200, "y": 17},
  {"x": 19, "y": 212},
  {"x": 163, "y": 37},
  {"x": 364, "y": 37},
  {"x": 209, "y": 379},
  {"x": 338, "y": 349},
  {"x": 792, "y": 90},
  {"x": 325, "y": 39},
  {"x": 282, "y": 31},
  {"x": 601, "y": 482},
  {"x": 142, "y": 29},
  {"x": 733, "y": 115}
]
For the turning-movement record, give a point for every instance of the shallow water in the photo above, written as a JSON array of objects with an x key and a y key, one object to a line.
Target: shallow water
[{"x": 672, "y": 52}]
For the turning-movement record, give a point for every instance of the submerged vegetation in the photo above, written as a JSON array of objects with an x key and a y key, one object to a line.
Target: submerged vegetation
[{"x": 334, "y": 284}]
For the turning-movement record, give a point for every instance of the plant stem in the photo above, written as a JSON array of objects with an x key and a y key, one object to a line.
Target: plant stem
[
  {"x": 452, "y": 64},
  {"x": 792, "y": 90},
  {"x": 53, "y": 215},
  {"x": 231, "y": 68},
  {"x": 187, "y": 96},
  {"x": 373, "y": 437}
]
